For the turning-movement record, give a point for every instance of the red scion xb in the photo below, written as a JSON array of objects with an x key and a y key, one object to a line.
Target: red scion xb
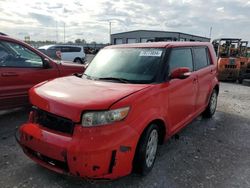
[{"x": 109, "y": 121}]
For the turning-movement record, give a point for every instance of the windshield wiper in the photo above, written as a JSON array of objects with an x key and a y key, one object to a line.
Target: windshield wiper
[
  {"x": 122, "y": 80},
  {"x": 88, "y": 77},
  {"x": 79, "y": 75}
]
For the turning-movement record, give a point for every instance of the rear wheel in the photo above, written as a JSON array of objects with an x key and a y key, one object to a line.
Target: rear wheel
[
  {"x": 211, "y": 108},
  {"x": 78, "y": 60},
  {"x": 146, "y": 150}
]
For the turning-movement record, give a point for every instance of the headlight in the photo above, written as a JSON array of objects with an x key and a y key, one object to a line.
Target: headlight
[{"x": 96, "y": 118}]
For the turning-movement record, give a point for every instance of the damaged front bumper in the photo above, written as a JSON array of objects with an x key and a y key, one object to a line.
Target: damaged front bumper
[{"x": 97, "y": 153}]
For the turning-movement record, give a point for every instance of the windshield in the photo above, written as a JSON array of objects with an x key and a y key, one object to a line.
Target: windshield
[{"x": 133, "y": 65}]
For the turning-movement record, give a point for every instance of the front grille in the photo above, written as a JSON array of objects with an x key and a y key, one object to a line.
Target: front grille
[
  {"x": 54, "y": 122},
  {"x": 52, "y": 162},
  {"x": 230, "y": 66}
]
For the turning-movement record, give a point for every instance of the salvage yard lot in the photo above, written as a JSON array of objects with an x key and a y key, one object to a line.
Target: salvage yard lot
[{"x": 207, "y": 153}]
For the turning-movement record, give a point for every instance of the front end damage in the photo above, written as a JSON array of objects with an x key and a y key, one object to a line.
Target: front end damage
[{"x": 104, "y": 152}]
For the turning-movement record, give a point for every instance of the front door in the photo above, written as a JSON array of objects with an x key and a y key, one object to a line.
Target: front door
[
  {"x": 182, "y": 93},
  {"x": 20, "y": 69}
]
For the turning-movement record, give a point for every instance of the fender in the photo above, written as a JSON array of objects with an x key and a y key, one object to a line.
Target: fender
[
  {"x": 148, "y": 117},
  {"x": 213, "y": 85}
]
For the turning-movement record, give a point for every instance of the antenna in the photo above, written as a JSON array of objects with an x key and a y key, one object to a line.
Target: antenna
[{"x": 210, "y": 32}]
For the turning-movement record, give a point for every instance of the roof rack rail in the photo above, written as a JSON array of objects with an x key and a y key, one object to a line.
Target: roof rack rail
[{"x": 3, "y": 34}]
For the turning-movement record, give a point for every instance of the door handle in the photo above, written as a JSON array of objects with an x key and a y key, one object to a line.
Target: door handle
[{"x": 6, "y": 74}]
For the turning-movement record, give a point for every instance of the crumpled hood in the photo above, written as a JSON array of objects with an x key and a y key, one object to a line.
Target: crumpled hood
[{"x": 70, "y": 96}]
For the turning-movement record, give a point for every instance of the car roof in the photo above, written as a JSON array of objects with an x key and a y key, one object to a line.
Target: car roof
[
  {"x": 52, "y": 45},
  {"x": 45, "y": 47},
  {"x": 226, "y": 39},
  {"x": 159, "y": 45}
]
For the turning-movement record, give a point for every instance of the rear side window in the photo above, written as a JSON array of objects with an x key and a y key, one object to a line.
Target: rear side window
[
  {"x": 70, "y": 49},
  {"x": 74, "y": 49},
  {"x": 65, "y": 49},
  {"x": 181, "y": 57},
  {"x": 201, "y": 58}
]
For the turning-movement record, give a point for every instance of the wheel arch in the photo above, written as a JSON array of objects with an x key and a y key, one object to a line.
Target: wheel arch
[
  {"x": 162, "y": 133},
  {"x": 217, "y": 88},
  {"x": 162, "y": 129},
  {"x": 77, "y": 58}
]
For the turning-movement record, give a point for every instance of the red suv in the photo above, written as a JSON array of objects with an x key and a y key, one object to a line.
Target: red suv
[
  {"x": 110, "y": 120},
  {"x": 22, "y": 66}
]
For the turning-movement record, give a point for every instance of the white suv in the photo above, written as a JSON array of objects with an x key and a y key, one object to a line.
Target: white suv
[{"x": 67, "y": 52}]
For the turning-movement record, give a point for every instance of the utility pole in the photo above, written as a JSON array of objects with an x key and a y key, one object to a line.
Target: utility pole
[
  {"x": 210, "y": 32},
  {"x": 64, "y": 32},
  {"x": 110, "y": 32},
  {"x": 56, "y": 33}
]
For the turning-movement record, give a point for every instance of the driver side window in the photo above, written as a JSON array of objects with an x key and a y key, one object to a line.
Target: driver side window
[
  {"x": 180, "y": 57},
  {"x": 15, "y": 55}
]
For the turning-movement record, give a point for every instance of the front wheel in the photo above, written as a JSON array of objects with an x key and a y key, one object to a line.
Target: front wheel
[
  {"x": 211, "y": 108},
  {"x": 146, "y": 150}
]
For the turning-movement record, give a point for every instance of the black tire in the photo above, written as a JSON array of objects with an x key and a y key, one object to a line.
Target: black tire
[
  {"x": 78, "y": 60},
  {"x": 211, "y": 107},
  {"x": 240, "y": 80},
  {"x": 141, "y": 160}
]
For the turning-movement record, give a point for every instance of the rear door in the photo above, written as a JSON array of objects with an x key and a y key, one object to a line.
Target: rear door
[
  {"x": 20, "y": 69},
  {"x": 65, "y": 53},
  {"x": 182, "y": 92},
  {"x": 205, "y": 72}
]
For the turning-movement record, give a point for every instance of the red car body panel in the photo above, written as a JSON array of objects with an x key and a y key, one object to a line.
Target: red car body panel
[
  {"x": 93, "y": 95},
  {"x": 108, "y": 151},
  {"x": 15, "y": 82}
]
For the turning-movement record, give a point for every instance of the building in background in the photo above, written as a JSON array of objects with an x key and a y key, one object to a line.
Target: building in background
[{"x": 140, "y": 36}]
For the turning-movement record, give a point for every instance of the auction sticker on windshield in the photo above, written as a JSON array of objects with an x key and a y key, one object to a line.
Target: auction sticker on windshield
[{"x": 155, "y": 53}]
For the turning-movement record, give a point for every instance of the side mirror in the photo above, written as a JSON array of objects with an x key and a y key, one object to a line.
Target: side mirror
[
  {"x": 180, "y": 73},
  {"x": 46, "y": 63}
]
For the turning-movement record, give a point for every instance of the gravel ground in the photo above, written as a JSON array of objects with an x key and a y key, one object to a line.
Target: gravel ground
[{"x": 207, "y": 153}]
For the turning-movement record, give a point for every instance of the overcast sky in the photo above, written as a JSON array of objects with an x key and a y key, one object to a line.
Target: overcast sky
[{"x": 89, "y": 19}]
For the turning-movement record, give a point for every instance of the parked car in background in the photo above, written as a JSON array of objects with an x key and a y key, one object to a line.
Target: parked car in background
[
  {"x": 52, "y": 53},
  {"x": 22, "y": 66},
  {"x": 110, "y": 120},
  {"x": 67, "y": 52}
]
